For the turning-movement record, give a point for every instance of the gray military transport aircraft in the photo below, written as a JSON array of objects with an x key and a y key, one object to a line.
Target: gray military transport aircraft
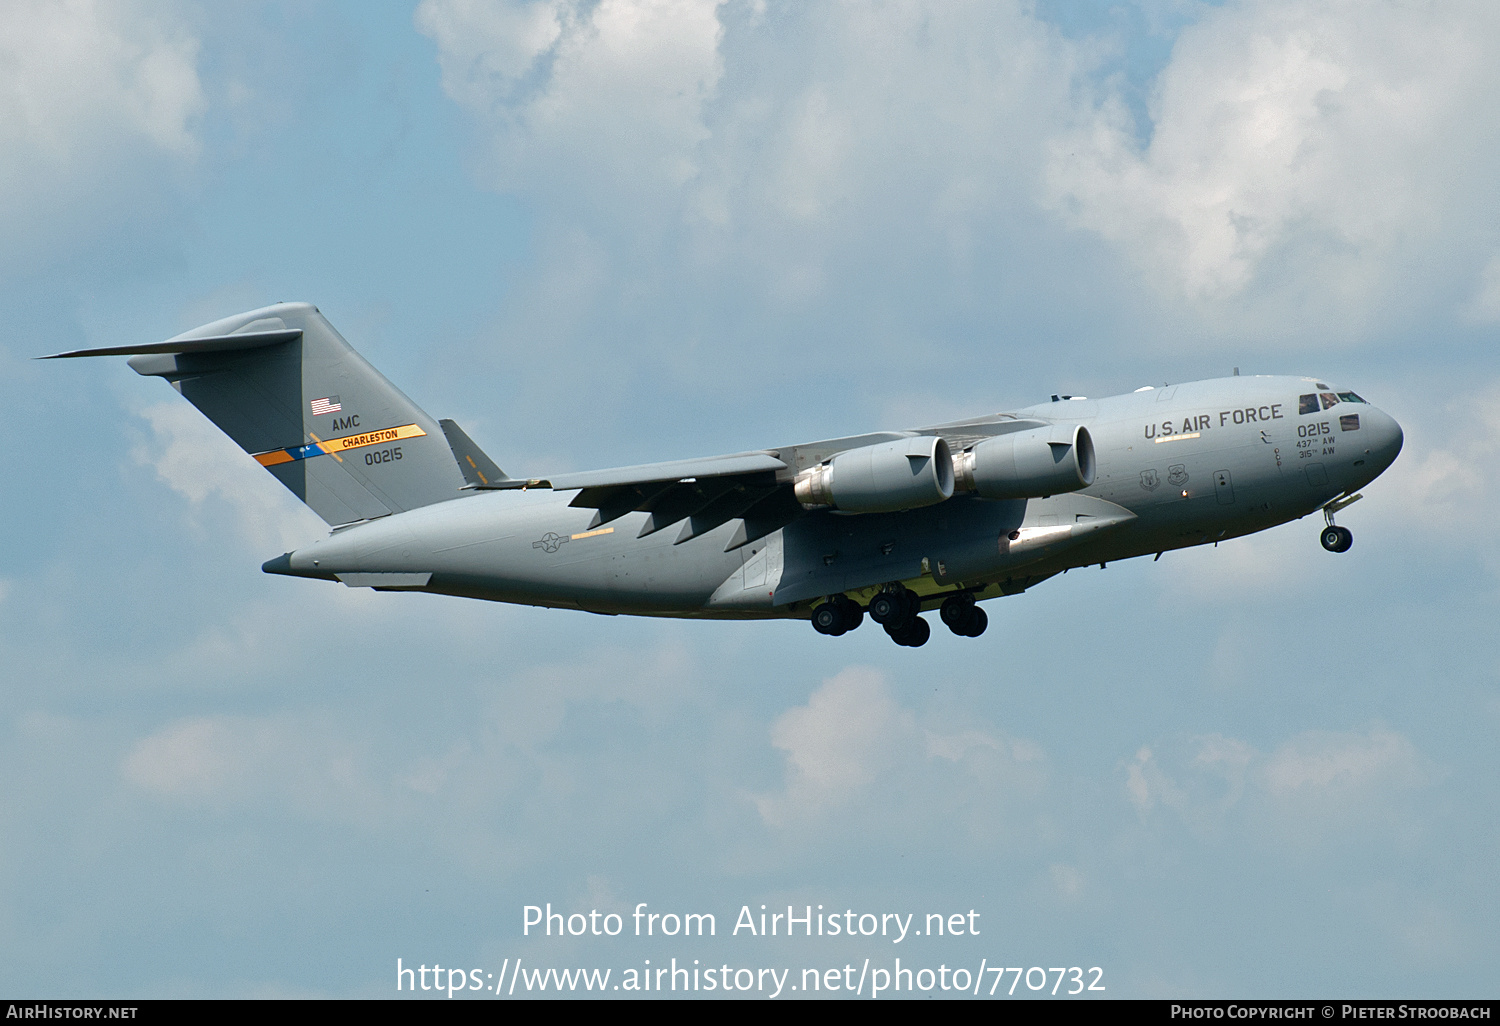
[{"x": 891, "y": 523}]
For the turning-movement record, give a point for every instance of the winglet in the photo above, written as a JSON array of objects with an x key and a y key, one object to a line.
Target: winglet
[{"x": 478, "y": 469}]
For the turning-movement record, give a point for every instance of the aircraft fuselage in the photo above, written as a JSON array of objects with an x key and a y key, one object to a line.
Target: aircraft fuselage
[{"x": 1181, "y": 465}]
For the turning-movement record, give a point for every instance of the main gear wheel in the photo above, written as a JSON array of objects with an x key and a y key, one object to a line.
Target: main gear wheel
[
  {"x": 913, "y": 634},
  {"x": 839, "y": 615}
]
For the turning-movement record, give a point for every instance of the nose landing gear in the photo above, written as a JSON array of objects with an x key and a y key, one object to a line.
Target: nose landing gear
[{"x": 1335, "y": 538}]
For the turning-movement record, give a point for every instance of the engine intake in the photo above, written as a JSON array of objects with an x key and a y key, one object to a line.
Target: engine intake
[
  {"x": 903, "y": 474},
  {"x": 1028, "y": 464}
]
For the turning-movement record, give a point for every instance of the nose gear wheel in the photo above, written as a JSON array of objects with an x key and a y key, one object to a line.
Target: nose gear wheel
[{"x": 1337, "y": 539}]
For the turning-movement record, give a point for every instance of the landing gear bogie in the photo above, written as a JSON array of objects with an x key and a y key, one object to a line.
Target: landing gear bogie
[
  {"x": 839, "y": 615},
  {"x": 826, "y": 619},
  {"x": 956, "y": 609},
  {"x": 912, "y": 634},
  {"x": 895, "y": 606},
  {"x": 963, "y": 616}
]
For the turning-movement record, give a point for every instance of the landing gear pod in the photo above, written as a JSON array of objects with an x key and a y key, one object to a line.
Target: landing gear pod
[
  {"x": 1028, "y": 464},
  {"x": 903, "y": 474}
]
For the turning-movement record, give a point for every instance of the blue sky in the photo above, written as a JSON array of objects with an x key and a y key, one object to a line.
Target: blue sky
[{"x": 605, "y": 233}]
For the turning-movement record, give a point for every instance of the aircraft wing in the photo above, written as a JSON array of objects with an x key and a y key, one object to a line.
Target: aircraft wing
[
  {"x": 754, "y": 488},
  {"x": 674, "y": 470},
  {"x": 706, "y": 493}
]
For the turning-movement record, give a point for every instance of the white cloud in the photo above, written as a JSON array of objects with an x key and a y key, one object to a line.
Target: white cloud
[
  {"x": 503, "y": 761},
  {"x": 774, "y": 137},
  {"x": 853, "y": 738},
  {"x": 613, "y": 90},
  {"x": 1317, "y": 787},
  {"x": 1432, "y": 934},
  {"x": 234, "y": 640},
  {"x": 1067, "y": 881},
  {"x": 1258, "y": 564},
  {"x": 1326, "y": 147},
  {"x": 1424, "y": 504},
  {"x": 1310, "y": 155},
  {"x": 84, "y": 81},
  {"x": 1485, "y": 306},
  {"x": 1339, "y": 765},
  {"x": 1438, "y": 482},
  {"x": 191, "y": 757},
  {"x": 1212, "y": 784},
  {"x": 838, "y": 743},
  {"x": 221, "y": 760},
  {"x": 199, "y": 462},
  {"x": 658, "y": 681},
  {"x": 487, "y": 49}
]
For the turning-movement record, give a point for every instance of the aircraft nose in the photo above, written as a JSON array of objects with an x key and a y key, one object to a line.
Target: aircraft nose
[{"x": 1384, "y": 438}]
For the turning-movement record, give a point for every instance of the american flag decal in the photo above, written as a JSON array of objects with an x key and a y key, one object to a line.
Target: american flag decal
[{"x": 320, "y": 407}]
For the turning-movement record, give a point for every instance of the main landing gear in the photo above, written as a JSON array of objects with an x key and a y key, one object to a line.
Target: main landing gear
[
  {"x": 897, "y": 609},
  {"x": 838, "y": 615},
  {"x": 1335, "y": 538},
  {"x": 963, "y": 615}
]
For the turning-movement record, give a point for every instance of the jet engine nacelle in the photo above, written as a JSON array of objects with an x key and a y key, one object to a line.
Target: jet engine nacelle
[
  {"x": 1028, "y": 464},
  {"x": 903, "y": 474}
]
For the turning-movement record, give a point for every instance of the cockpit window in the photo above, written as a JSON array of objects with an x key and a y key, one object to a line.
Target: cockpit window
[
  {"x": 1329, "y": 400},
  {"x": 1350, "y": 397},
  {"x": 1349, "y": 422},
  {"x": 1307, "y": 403}
]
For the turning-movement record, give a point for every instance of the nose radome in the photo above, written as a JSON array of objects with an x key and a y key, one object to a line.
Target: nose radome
[{"x": 1385, "y": 437}]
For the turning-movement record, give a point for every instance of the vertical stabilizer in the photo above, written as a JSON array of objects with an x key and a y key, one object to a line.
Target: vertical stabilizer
[{"x": 285, "y": 385}]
